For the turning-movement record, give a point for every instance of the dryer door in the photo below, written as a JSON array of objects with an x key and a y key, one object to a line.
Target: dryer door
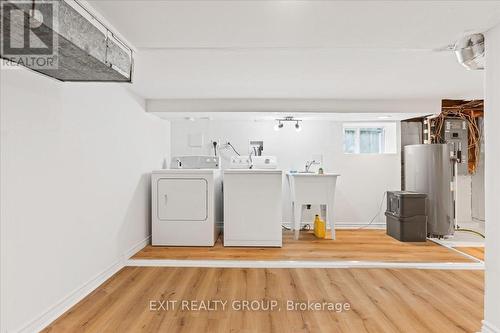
[{"x": 182, "y": 199}]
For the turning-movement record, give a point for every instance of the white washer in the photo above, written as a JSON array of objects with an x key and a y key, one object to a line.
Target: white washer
[
  {"x": 253, "y": 207},
  {"x": 186, "y": 207}
]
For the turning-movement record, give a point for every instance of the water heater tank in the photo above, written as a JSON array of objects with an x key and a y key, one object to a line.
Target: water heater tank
[{"x": 428, "y": 169}]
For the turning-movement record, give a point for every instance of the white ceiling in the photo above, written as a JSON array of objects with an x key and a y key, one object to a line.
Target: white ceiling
[{"x": 299, "y": 49}]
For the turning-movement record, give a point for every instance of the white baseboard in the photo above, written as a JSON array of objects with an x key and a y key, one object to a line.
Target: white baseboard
[
  {"x": 74, "y": 297},
  {"x": 136, "y": 248},
  {"x": 345, "y": 225},
  {"x": 340, "y": 225},
  {"x": 489, "y": 328},
  {"x": 78, "y": 294}
]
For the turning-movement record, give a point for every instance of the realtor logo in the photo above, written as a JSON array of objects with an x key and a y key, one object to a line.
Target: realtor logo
[{"x": 27, "y": 33}]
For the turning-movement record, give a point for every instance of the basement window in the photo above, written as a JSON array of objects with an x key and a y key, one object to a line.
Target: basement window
[{"x": 369, "y": 138}]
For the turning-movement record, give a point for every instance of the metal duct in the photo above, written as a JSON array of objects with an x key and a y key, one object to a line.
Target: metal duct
[
  {"x": 61, "y": 39},
  {"x": 470, "y": 51}
]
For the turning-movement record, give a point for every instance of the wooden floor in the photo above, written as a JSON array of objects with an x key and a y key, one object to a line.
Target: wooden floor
[
  {"x": 362, "y": 245},
  {"x": 476, "y": 252},
  {"x": 381, "y": 300}
]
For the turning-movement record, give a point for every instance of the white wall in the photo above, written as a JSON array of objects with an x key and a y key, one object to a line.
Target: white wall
[
  {"x": 75, "y": 163},
  {"x": 464, "y": 198},
  {"x": 492, "y": 181},
  {"x": 364, "y": 178},
  {"x": 477, "y": 185}
]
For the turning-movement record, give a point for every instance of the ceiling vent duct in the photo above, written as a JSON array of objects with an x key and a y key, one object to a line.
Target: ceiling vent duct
[
  {"x": 62, "y": 39},
  {"x": 470, "y": 51}
]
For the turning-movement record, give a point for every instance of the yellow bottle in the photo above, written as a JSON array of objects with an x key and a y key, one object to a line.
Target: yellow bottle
[{"x": 319, "y": 227}]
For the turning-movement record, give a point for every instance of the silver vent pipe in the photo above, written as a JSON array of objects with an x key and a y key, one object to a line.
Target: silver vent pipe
[{"x": 470, "y": 51}]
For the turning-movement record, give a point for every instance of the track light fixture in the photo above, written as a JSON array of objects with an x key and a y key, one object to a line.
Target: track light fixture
[{"x": 281, "y": 121}]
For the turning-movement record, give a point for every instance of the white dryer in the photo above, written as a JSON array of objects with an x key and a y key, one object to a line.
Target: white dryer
[{"x": 187, "y": 203}]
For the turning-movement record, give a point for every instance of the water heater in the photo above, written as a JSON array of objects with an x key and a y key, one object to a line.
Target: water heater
[{"x": 429, "y": 170}]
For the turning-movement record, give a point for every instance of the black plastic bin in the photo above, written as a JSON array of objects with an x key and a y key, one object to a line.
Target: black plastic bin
[
  {"x": 406, "y": 216},
  {"x": 406, "y": 204},
  {"x": 407, "y": 229}
]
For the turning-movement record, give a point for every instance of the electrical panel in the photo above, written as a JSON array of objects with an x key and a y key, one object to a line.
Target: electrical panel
[{"x": 456, "y": 136}]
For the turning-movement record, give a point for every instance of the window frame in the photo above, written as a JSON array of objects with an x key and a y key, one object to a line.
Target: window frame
[{"x": 357, "y": 138}]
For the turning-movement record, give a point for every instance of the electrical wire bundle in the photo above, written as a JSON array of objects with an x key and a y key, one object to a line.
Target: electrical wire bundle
[{"x": 467, "y": 113}]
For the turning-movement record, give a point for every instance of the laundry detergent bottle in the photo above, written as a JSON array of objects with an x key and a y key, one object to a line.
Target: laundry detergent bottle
[{"x": 319, "y": 227}]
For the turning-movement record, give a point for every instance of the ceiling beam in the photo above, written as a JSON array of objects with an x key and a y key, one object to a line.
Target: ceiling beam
[{"x": 292, "y": 105}]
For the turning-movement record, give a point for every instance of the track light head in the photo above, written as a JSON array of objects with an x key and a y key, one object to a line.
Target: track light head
[{"x": 298, "y": 128}]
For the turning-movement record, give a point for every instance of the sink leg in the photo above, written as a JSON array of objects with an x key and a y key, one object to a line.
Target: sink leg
[
  {"x": 330, "y": 219},
  {"x": 297, "y": 214},
  {"x": 296, "y": 234}
]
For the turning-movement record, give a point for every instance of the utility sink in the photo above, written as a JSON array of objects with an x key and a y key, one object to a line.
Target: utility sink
[{"x": 309, "y": 188}]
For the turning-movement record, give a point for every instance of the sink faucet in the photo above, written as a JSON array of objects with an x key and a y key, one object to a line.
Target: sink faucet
[
  {"x": 179, "y": 163},
  {"x": 309, "y": 164}
]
